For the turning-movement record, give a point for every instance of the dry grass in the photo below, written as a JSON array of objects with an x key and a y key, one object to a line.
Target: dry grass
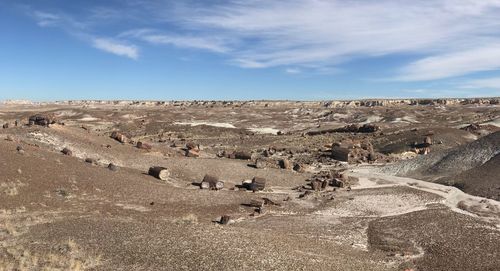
[
  {"x": 11, "y": 188},
  {"x": 15, "y": 254},
  {"x": 187, "y": 219},
  {"x": 64, "y": 256}
]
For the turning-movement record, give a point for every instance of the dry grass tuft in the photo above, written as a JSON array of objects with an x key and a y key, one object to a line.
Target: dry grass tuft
[
  {"x": 64, "y": 256},
  {"x": 11, "y": 188},
  {"x": 187, "y": 219}
]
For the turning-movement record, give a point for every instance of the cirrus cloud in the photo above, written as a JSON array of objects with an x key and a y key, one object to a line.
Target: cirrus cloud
[
  {"x": 116, "y": 47},
  {"x": 440, "y": 39}
]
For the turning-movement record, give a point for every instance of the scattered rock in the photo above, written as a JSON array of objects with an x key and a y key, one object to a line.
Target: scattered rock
[
  {"x": 268, "y": 201},
  {"x": 269, "y": 152},
  {"x": 472, "y": 127},
  {"x": 112, "y": 167},
  {"x": 62, "y": 193},
  {"x": 372, "y": 156},
  {"x": 256, "y": 203},
  {"x": 368, "y": 128},
  {"x": 299, "y": 168},
  {"x": 260, "y": 163},
  {"x": 41, "y": 119},
  {"x": 337, "y": 182},
  {"x": 67, "y": 152},
  {"x": 193, "y": 146},
  {"x": 428, "y": 141},
  {"x": 91, "y": 161},
  {"x": 305, "y": 194},
  {"x": 353, "y": 128}
]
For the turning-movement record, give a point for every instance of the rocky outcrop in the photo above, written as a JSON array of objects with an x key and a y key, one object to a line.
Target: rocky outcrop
[{"x": 264, "y": 103}]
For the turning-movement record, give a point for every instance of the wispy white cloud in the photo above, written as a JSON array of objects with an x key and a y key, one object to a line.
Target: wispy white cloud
[
  {"x": 326, "y": 33},
  {"x": 485, "y": 83},
  {"x": 453, "y": 92},
  {"x": 293, "y": 70},
  {"x": 46, "y": 19},
  {"x": 183, "y": 41},
  {"x": 60, "y": 20},
  {"x": 116, "y": 47},
  {"x": 481, "y": 58},
  {"x": 441, "y": 38},
  {"x": 79, "y": 30}
]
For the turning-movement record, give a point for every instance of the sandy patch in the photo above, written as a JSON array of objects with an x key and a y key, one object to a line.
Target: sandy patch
[
  {"x": 372, "y": 118},
  {"x": 266, "y": 130},
  {"x": 451, "y": 196},
  {"x": 87, "y": 118},
  {"x": 46, "y": 139},
  {"x": 214, "y": 124},
  {"x": 134, "y": 207},
  {"x": 376, "y": 206},
  {"x": 131, "y": 117},
  {"x": 495, "y": 122},
  {"x": 407, "y": 119},
  {"x": 66, "y": 113}
]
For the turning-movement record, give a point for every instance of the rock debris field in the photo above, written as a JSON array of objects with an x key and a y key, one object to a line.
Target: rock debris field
[{"x": 250, "y": 185}]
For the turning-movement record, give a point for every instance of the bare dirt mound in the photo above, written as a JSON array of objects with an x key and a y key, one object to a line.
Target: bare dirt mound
[
  {"x": 449, "y": 162},
  {"x": 448, "y": 243},
  {"x": 474, "y": 167},
  {"x": 482, "y": 181},
  {"x": 402, "y": 141}
]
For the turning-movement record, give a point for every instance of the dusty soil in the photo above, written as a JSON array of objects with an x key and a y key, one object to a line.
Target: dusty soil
[{"x": 58, "y": 212}]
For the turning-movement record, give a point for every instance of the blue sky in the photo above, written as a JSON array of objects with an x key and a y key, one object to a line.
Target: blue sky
[{"x": 312, "y": 50}]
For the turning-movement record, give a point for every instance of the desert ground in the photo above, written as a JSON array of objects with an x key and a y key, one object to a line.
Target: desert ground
[{"x": 250, "y": 185}]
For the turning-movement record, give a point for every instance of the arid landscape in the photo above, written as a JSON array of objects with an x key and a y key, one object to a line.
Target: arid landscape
[{"x": 409, "y": 184}]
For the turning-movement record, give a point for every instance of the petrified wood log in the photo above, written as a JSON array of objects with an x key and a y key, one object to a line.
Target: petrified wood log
[
  {"x": 159, "y": 172},
  {"x": 285, "y": 164},
  {"x": 242, "y": 155},
  {"x": 144, "y": 146},
  {"x": 316, "y": 185},
  {"x": 119, "y": 137},
  {"x": 192, "y": 146},
  {"x": 192, "y": 153},
  {"x": 340, "y": 154},
  {"x": 225, "y": 219},
  {"x": 211, "y": 182},
  {"x": 256, "y": 203},
  {"x": 41, "y": 119},
  {"x": 257, "y": 184}
]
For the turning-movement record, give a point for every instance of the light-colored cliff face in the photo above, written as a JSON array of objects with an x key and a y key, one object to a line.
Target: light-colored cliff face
[
  {"x": 397, "y": 102},
  {"x": 328, "y": 104}
]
